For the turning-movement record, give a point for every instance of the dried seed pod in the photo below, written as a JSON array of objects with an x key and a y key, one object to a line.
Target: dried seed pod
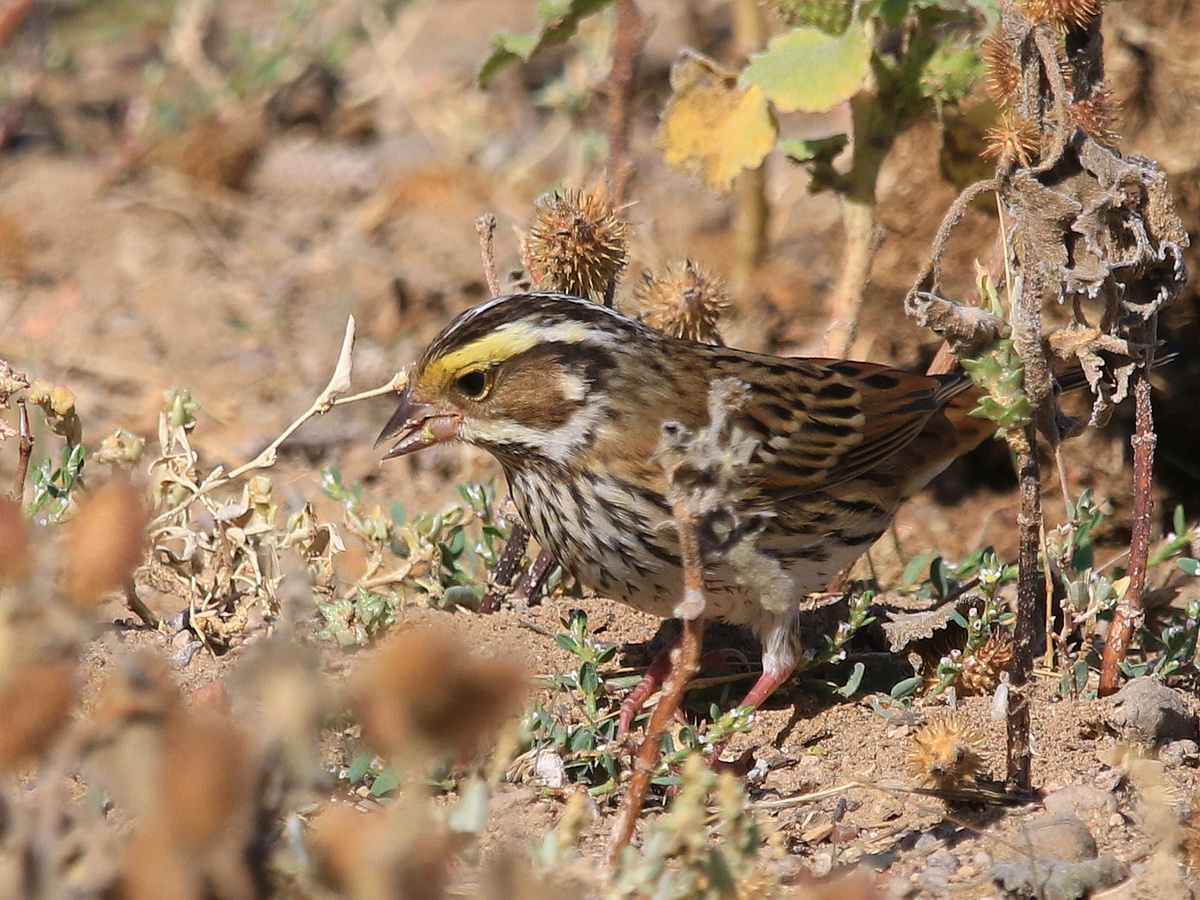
[
  {"x": 1003, "y": 74},
  {"x": 1061, "y": 13},
  {"x": 576, "y": 244},
  {"x": 106, "y": 542},
  {"x": 35, "y": 704},
  {"x": 944, "y": 754},
  {"x": 982, "y": 669},
  {"x": 1097, "y": 115},
  {"x": 425, "y": 693},
  {"x": 1012, "y": 141},
  {"x": 683, "y": 301}
]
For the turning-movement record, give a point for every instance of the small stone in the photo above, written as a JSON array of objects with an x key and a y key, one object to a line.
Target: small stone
[
  {"x": 1148, "y": 711},
  {"x": 944, "y": 860},
  {"x": 926, "y": 843},
  {"x": 1058, "y": 837},
  {"x": 1180, "y": 753},
  {"x": 1088, "y": 803}
]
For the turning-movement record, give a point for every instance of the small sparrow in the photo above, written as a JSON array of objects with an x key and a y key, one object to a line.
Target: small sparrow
[{"x": 570, "y": 396}]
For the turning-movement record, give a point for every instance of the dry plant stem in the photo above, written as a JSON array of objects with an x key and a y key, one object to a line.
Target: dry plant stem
[
  {"x": 139, "y": 608},
  {"x": 486, "y": 226},
  {"x": 872, "y": 140},
  {"x": 1130, "y": 612},
  {"x": 24, "y": 451},
  {"x": 332, "y": 395},
  {"x": 684, "y": 660},
  {"x": 683, "y": 665},
  {"x": 1030, "y": 589},
  {"x": 627, "y": 50},
  {"x": 752, "y": 211}
]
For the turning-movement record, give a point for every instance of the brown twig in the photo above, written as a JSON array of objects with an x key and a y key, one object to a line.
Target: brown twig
[
  {"x": 627, "y": 50},
  {"x": 683, "y": 665},
  {"x": 24, "y": 451},
  {"x": 486, "y": 226},
  {"x": 684, "y": 659},
  {"x": 1029, "y": 596},
  {"x": 752, "y": 211},
  {"x": 1130, "y": 612}
]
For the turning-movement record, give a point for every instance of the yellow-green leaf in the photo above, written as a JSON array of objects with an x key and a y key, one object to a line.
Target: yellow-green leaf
[
  {"x": 807, "y": 70},
  {"x": 711, "y": 127}
]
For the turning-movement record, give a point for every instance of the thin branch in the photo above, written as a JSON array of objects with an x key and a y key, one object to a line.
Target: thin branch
[
  {"x": 683, "y": 664},
  {"x": 684, "y": 660},
  {"x": 627, "y": 50},
  {"x": 1130, "y": 612},
  {"x": 332, "y": 395},
  {"x": 486, "y": 226},
  {"x": 1029, "y": 590},
  {"x": 24, "y": 451}
]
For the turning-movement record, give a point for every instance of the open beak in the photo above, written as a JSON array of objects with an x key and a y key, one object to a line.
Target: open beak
[{"x": 416, "y": 425}]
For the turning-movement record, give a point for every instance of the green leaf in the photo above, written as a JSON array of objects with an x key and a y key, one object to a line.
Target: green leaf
[
  {"x": 1189, "y": 565},
  {"x": 386, "y": 782},
  {"x": 807, "y": 70},
  {"x": 913, "y": 569},
  {"x": 822, "y": 149},
  {"x": 589, "y": 679},
  {"x": 906, "y": 687},
  {"x": 358, "y": 768},
  {"x": 559, "y": 19},
  {"x": 852, "y": 684}
]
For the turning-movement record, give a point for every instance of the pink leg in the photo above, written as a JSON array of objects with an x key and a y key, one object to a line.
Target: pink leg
[
  {"x": 651, "y": 682},
  {"x": 657, "y": 674},
  {"x": 766, "y": 685}
]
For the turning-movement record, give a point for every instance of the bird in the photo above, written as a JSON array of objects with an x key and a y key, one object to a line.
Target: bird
[{"x": 571, "y": 396}]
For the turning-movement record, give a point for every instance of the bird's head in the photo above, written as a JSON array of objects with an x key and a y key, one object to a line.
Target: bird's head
[{"x": 521, "y": 376}]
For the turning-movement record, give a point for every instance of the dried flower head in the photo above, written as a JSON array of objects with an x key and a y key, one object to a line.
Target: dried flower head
[
  {"x": 425, "y": 693},
  {"x": 1003, "y": 73},
  {"x": 1098, "y": 116},
  {"x": 576, "y": 244},
  {"x": 106, "y": 542},
  {"x": 981, "y": 670},
  {"x": 400, "y": 851},
  {"x": 1061, "y": 13},
  {"x": 683, "y": 301},
  {"x": 35, "y": 704},
  {"x": 1012, "y": 141},
  {"x": 944, "y": 754}
]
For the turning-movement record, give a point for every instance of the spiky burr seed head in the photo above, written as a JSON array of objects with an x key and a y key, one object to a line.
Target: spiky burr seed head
[
  {"x": 576, "y": 244},
  {"x": 1061, "y": 13},
  {"x": 1002, "y": 76},
  {"x": 1098, "y": 115},
  {"x": 1012, "y": 141},
  {"x": 683, "y": 301},
  {"x": 982, "y": 669},
  {"x": 944, "y": 754}
]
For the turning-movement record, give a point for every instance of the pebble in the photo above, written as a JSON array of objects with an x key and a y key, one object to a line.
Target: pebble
[
  {"x": 1180, "y": 753},
  {"x": 1058, "y": 837},
  {"x": 1148, "y": 711},
  {"x": 1089, "y": 803}
]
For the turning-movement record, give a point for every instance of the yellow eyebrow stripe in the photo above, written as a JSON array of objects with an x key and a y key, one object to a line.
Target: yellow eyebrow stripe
[{"x": 503, "y": 344}]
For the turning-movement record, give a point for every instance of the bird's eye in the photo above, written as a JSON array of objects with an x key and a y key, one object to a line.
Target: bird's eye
[{"x": 474, "y": 384}]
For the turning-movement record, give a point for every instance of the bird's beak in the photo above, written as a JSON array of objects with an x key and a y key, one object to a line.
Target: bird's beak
[{"x": 415, "y": 425}]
